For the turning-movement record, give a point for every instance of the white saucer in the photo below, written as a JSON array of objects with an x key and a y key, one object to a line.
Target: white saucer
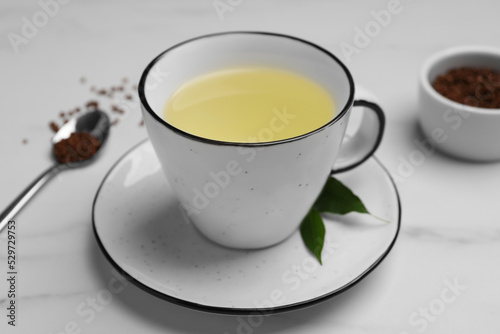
[{"x": 141, "y": 230}]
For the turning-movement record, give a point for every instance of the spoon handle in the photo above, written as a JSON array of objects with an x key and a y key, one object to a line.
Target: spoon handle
[{"x": 27, "y": 194}]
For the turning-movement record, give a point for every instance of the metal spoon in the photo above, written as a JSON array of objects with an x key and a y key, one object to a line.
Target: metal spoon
[{"x": 95, "y": 123}]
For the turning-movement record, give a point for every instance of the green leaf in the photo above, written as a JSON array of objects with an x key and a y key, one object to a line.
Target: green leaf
[
  {"x": 334, "y": 198},
  {"x": 312, "y": 230},
  {"x": 337, "y": 198}
]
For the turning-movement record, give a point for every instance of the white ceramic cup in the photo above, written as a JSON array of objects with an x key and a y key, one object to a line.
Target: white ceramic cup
[
  {"x": 253, "y": 195},
  {"x": 457, "y": 129}
]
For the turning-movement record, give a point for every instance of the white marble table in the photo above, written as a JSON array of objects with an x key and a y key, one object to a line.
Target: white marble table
[{"x": 451, "y": 216}]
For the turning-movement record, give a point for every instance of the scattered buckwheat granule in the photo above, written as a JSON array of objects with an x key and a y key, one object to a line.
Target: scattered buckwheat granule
[
  {"x": 25, "y": 141},
  {"x": 129, "y": 97},
  {"x": 115, "y": 122},
  {"x": 92, "y": 104},
  {"x": 117, "y": 109},
  {"x": 53, "y": 126},
  {"x": 473, "y": 86},
  {"x": 83, "y": 80}
]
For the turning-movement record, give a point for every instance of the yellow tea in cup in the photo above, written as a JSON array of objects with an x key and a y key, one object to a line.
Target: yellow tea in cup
[{"x": 249, "y": 104}]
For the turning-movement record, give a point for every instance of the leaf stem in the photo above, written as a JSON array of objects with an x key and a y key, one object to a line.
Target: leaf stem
[{"x": 379, "y": 218}]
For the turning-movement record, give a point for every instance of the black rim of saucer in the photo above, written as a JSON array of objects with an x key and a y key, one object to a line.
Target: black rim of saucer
[
  {"x": 239, "y": 311},
  {"x": 144, "y": 102}
]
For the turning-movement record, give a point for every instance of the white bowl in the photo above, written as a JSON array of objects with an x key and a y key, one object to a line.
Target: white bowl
[{"x": 460, "y": 130}]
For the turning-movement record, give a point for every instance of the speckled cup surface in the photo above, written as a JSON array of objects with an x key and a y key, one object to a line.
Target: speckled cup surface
[
  {"x": 459, "y": 130},
  {"x": 250, "y": 195}
]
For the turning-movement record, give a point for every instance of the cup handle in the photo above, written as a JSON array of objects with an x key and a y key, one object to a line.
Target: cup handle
[{"x": 360, "y": 146}]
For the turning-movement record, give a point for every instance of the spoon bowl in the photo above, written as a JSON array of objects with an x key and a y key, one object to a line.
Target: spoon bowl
[{"x": 96, "y": 123}]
